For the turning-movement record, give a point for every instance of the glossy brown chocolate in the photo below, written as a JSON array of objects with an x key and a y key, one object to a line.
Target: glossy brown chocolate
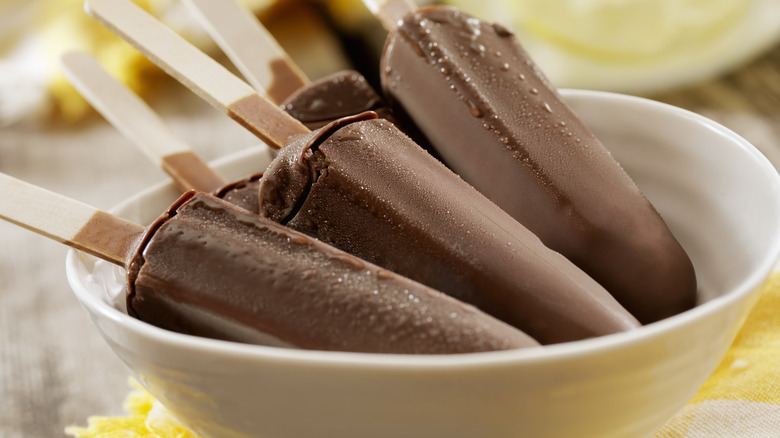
[
  {"x": 361, "y": 185},
  {"x": 208, "y": 268},
  {"x": 242, "y": 193},
  {"x": 338, "y": 95},
  {"x": 496, "y": 121}
]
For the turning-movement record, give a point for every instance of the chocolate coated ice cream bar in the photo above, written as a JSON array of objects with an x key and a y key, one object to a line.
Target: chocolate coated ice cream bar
[
  {"x": 211, "y": 269},
  {"x": 361, "y": 185},
  {"x": 496, "y": 121}
]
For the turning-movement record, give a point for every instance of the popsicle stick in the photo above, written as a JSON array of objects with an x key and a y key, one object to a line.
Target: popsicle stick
[
  {"x": 68, "y": 221},
  {"x": 390, "y": 12},
  {"x": 137, "y": 121},
  {"x": 249, "y": 45},
  {"x": 196, "y": 70}
]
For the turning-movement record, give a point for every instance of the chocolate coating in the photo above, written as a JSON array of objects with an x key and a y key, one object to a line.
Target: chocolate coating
[
  {"x": 496, "y": 121},
  {"x": 208, "y": 268},
  {"x": 361, "y": 185},
  {"x": 338, "y": 95},
  {"x": 242, "y": 193}
]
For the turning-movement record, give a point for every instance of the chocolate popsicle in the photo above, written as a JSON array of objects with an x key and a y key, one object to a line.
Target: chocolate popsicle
[
  {"x": 290, "y": 288},
  {"x": 211, "y": 269},
  {"x": 519, "y": 144},
  {"x": 361, "y": 185}
]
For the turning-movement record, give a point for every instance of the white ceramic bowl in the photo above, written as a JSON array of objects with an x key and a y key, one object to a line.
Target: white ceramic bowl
[{"x": 720, "y": 197}]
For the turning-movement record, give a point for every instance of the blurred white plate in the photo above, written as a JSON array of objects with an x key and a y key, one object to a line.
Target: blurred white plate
[{"x": 756, "y": 31}]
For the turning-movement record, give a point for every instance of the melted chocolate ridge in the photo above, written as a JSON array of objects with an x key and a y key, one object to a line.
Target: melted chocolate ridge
[{"x": 311, "y": 147}]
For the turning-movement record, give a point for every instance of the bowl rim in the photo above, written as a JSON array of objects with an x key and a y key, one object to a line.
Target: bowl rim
[{"x": 538, "y": 355}]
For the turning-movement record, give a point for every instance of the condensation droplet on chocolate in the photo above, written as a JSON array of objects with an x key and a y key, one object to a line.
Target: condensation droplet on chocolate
[{"x": 475, "y": 110}]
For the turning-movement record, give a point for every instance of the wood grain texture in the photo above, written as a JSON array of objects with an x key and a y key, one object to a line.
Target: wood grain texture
[
  {"x": 251, "y": 48},
  {"x": 132, "y": 117},
  {"x": 124, "y": 109},
  {"x": 67, "y": 220},
  {"x": 262, "y": 118},
  {"x": 196, "y": 70},
  {"x": 170, "y": 51}
]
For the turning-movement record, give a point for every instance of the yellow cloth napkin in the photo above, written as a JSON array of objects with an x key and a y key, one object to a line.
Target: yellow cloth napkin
[
  {"x": 740, "y": 399},
  {"x": 146, "y": 418}
]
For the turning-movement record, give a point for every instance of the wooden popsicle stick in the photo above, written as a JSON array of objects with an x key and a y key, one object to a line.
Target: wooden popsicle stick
[
  {"x": 251, "y": 48},
  {"x": 68, "y": 221},
  {"x": 137, "y": 121},
  {"x": 196, "y": 70},
  {"x": 390, "y": 12}
]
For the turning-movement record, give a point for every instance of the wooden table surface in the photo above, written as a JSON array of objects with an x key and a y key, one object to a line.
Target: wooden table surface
[{"x": 54, "y": 368}]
